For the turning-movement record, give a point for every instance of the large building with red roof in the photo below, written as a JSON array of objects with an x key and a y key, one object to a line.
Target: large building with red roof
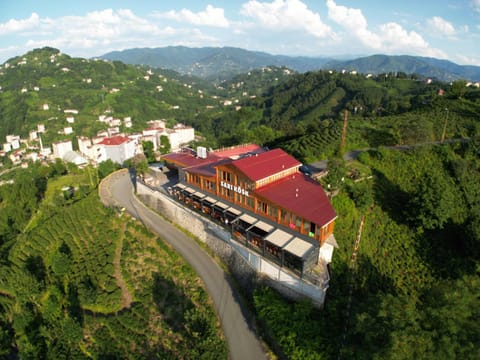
[
  {"x": 269, "y": 204},
  {"x": 116, "y": 148}
]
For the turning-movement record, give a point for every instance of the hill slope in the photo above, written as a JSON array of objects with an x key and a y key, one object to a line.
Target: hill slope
[{"x": 40, "y": 85}]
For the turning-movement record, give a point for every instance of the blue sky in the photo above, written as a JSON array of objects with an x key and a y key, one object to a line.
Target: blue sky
[{"x": 447, "y": 29}]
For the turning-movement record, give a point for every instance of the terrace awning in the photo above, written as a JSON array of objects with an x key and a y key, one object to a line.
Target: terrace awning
[
  {"x": 189, "y": 190},
  {"x": 199, "y": 195},
  {"x": 279, "y": 238},
  {"x": 248, "y": 219},
  {"x": 222, "y": 205},
  {"x": 298, "y": 247},
  {"x": 263, "y": 226},
  {"x": 234, "y": 211},
  {"x": 210, "y": 200}
]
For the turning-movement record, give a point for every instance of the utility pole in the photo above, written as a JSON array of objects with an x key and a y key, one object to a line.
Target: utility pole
[
  {"x": 445, "y": 126},
  {"x": 344, "y": 132}
]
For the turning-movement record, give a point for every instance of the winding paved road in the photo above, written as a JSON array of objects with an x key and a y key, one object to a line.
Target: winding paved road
[{"x": 236, "y": 322}]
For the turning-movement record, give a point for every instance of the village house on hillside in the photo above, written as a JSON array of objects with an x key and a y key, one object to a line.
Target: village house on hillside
[{"x": 117, "y": 148}]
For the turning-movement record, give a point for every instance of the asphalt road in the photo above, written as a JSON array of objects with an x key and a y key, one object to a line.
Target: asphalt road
[{"x": 242, "y": 340}]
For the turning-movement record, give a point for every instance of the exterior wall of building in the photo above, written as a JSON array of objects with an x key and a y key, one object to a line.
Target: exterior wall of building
[
  {"x": 174, "y": 140},
  {"x": 119, "y": 153},
  {"x": 84, "y": 145},
  {"x": 61, "y": 148},
  {"x": 178, "y": 136},
  {"x": 185, "y": 134}
]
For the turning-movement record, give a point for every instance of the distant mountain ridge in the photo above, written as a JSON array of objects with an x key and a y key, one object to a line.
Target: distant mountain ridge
[
  {"x": 220, "y": 63},
  {"x": 212, "y": 63},
  {"x": 443, "y": 70}
]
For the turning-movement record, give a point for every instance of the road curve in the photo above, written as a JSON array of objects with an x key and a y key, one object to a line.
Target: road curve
[{"x": 236, "y": 322}]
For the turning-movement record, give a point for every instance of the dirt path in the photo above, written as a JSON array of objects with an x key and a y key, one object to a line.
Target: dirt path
[
  {"x": 126, "y": 295},
  {"x": 353, "y": 261}
]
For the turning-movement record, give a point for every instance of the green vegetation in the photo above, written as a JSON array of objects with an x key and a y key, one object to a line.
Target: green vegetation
[
  {"x": 302, "y": 113},
  {"x": 93, "y": 87},
  {"x": 416, "y": 289},
  {"x": 78, "y": 280}
]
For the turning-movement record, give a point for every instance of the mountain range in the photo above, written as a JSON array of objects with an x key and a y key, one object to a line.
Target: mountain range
[{"x": 221, "y": 63}]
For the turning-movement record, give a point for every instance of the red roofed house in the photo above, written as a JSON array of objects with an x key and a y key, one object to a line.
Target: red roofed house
[
  {"x": 116, "y": 148},
  {"x": 269, "y": 204}
]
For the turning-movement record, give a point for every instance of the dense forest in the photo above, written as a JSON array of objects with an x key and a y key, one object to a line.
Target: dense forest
[{"x": 410, "y": 290}]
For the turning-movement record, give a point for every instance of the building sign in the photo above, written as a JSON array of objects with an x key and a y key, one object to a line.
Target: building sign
[{"x": 236, "y": 189}]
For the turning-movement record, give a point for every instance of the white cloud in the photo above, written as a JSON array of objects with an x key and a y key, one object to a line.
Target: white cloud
[
  {"x": 441, "y": 26},
  {"x": 211, "y": 16},
  {"x": 475, "y": 5},
  {"x": 13, "y": 26},
  {"x": 470, "y": 60},
  {"x": 388, "y": 38},
  {"x": 281, "y": 15},
  {"x": 98, "y": 32},
  {"x": 354, "y": 21},
  {"x": 396, "y": 39}
]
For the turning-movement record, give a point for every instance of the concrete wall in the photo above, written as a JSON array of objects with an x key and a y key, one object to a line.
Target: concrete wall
[{"x": 246, "y": 265}]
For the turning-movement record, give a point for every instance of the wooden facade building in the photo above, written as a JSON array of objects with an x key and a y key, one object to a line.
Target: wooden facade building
[{"x": 264, "y": 199}]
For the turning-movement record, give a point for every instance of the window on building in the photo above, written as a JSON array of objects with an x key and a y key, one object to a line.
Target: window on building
[
  {"x": 306, "y": 227},
  {"x": 262, "y": 207},
  {"x": 298, "y": 223},
  {"x": 226, "y": 176},
  {"x": 272, "y": 211}
]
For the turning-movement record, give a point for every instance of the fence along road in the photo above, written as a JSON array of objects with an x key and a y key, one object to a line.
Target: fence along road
[{"x": 236, "y": 321}]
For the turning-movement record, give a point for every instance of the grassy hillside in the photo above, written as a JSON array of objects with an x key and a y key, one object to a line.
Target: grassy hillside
[
  {"x": 304, "y": 113},
  {"x": 85, "y": 282}
]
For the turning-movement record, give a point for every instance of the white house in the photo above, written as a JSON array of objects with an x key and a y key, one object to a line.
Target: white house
[
  {"x": 117, "y": 148},
  {"x": 15, "y": 143},
  {"x": 84, "y": 145},
  {"x": 180, "y": 135},
  {"x": 7, "y": 147},
  {"x": 33, "y": 135},
  {"x": 11, "y": 138},
  {"x": 60, "y": 148}
]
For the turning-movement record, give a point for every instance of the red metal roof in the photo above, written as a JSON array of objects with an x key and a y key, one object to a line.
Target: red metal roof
[
  {"x": 262, "y": 165},
  {"x": 301, "y": 195},
  {"x": 189, "y": 158},
  {"x": 114, "y": 140},
  {"x": 238, "y": 150}
]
